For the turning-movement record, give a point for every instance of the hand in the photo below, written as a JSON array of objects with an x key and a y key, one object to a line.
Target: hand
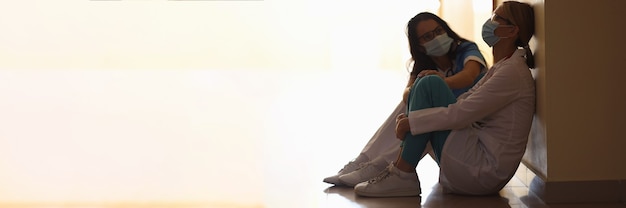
[
  {"x": 430, "y": 72},
  {"x": 402, "y": 126},
  {"x": 400, "y": 116}
]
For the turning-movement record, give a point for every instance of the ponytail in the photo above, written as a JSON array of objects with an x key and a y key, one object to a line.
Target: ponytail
[{"x": 530, "y": 58}]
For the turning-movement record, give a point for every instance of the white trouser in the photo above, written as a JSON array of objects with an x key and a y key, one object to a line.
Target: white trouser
[{"x": 384, "y": 144}]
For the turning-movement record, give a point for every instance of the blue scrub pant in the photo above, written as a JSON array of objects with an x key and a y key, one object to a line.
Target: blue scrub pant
[{"x": 427, "y": 92}]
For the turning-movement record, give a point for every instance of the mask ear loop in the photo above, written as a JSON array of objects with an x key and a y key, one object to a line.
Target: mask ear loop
[{"x": 499, "y": 25}]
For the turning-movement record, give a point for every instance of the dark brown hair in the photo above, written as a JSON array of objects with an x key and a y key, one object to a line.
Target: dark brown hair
[{"x": 419, "y": 58}]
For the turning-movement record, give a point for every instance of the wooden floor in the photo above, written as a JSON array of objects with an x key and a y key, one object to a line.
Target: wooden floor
[{"x": 514, "y": 195}]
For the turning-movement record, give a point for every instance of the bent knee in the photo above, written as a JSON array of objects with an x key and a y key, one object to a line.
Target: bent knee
[{"x": 430, "y": 80}]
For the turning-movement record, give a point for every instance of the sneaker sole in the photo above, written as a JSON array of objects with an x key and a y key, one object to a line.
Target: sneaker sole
[{"x": 389, "y": 194}]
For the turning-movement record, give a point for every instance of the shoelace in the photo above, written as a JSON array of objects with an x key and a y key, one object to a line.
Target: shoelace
[
  {"x": 362, "y": 165},
  {"x": 381, "y": 176}
]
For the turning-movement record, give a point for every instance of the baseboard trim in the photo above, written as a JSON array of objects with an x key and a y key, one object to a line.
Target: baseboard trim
[
  {"x": 604, "y": 191},
  {"x": 578, "y": 191}
]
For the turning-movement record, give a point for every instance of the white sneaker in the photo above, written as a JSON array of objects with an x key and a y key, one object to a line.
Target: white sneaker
[
  {"x": 392, "y": 182},
  {"x": 348, "y": 168},
  {"x": 365, "y": 172}
]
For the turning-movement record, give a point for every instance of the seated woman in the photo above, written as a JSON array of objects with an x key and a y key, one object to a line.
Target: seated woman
[
  {"x": 481, "y": 136},
  {"x": 435, "y": 50}
]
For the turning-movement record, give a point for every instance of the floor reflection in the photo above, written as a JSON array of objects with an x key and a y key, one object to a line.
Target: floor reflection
[
  {"x": 439, "y": 199},
  {"x": 435, "y": 199},
  {"x": 369, "y": 202}
]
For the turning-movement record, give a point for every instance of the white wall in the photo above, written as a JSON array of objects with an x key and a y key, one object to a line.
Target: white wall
[
  {"x": 173, "y": 101},
  {"x": 272, "y": 34}
]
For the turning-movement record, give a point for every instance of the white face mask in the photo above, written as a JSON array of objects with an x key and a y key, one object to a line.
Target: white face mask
[{"x": 438, "y": 46}]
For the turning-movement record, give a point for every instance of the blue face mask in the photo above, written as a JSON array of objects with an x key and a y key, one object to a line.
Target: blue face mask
[
  {"x": 489, "y": 32},
  {"x": 489, "y": 35},
  {"x": 438, "y": 46}
]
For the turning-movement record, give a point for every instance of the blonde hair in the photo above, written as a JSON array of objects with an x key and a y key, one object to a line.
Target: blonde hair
[{"x": 522, "y": 15}]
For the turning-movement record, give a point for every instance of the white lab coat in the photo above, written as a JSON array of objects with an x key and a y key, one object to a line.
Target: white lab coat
[{"x": 490, "y": 125}]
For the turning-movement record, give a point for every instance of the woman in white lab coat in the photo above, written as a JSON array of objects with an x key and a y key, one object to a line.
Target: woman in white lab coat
[
  {"x": 484, "y": 131},
  {"x": 435, "y": 49}
]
